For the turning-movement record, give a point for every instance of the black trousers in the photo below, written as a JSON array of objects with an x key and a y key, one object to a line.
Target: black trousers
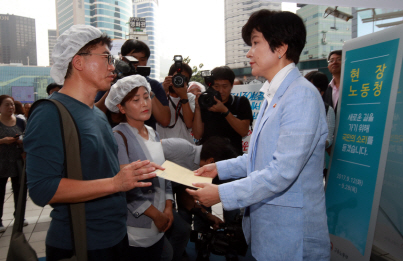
[
  {"x": 116, "y": 253},
  {"x": 15, "y": 184}
]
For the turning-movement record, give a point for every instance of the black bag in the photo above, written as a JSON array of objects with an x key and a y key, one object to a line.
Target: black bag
[{"x": 19, "y": 249}]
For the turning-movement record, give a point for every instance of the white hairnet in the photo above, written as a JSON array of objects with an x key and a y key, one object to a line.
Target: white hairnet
[
  {"x": 67, "y": 46},
  {"x": 201, "y": 86},
  {"x": 121, "y": 88}
]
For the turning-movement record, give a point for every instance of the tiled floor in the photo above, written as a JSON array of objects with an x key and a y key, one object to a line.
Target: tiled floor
[{"x": 39, "y": 221}]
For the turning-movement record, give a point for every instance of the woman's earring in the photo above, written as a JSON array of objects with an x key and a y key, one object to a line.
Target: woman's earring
[{"x": 279, "y": 57}]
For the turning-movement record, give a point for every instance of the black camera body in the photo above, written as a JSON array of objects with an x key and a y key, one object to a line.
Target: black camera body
[
  {"x": 126, "y": 67},
  {"x": 206, "y": 99},
  {"x": 228, "y": 240},
  {"x": 179, "y": 80}
]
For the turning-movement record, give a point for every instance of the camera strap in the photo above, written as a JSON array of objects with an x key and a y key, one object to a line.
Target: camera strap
[{"x": 177, "y": 112}]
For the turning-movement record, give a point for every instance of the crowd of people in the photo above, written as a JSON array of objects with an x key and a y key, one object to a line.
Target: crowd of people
[{"x": 129, "y": 127}]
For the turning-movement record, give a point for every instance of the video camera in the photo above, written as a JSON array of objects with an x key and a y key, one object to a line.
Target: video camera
[
  {"x": 229, "y": 240},
  {"x": 206, "y": 99},
  {"x": 178, "y": 80},
  {"x": 126, "y": 67}
]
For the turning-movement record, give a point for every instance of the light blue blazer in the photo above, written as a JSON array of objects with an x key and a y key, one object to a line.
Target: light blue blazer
[{"x": 282, "y": 188}]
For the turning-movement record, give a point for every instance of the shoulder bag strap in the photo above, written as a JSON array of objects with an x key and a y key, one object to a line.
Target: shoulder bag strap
[
  {"x": 124, "y": 140},
  {"x": 73, "y": 169}
]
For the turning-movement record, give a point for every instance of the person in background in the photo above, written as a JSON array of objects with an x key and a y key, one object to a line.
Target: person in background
[
  {"x": 320, "y": 81},
  {"x": 331, "y": 95},
  {"x": 281, "y": 185},
  {"x": 53, "y": 87},
  {"x": 238, "y": 81},
  {"x": 150, "y": 209},
  {"x": 196, "y": 88},
  {"x": 27, "y": 107},
  {"x": 182, "y": 106},
  {"x": 11, "y": 128},
  {"x": 19, "y": 111}
]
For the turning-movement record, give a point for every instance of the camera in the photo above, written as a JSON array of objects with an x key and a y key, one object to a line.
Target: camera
[
  {"x": 178, "y": 80},
  {"x": 229, "y": 240},
  {"x": 206, "y": 99},
  {"x": 126, "y": 67}
]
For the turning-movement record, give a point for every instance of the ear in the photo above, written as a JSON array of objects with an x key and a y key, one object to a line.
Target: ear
[
  {"x": 121, "y": 109},
  {"x": 78, "y": 62},
  {"x": 281, "y": 50},
  {"x": 210, "y": 160}
]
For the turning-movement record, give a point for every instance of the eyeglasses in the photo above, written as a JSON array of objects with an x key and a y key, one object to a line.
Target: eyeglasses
[
  {"x": 334, "y": 60},
  {"x": 110, "y": 58}
]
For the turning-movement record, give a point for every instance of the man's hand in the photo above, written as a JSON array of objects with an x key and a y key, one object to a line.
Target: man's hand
[
  {"x": 128, "y": 177},
  {"x": 217, "y": 221},
  {"x": 209, "y": 170},
  {"x": 197, "y": 101},
  {"x": 219, "y": 107},
  {"x": 207, "y": 196},
  {"x": 181, "y": 91},
  {"x": 166, "y": 83}
]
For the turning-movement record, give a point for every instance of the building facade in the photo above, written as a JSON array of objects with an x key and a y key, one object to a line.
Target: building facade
[
  {"x": 237, "y": 13},
  {"x": 17, "y": 40},
  {"x": 52, "y": 37},
  {"x": 323, "y": 34},
  {"x": 24, "y": 83},
  {"x": 148, "y": 9},
  {"x": 110, "y": 16}
]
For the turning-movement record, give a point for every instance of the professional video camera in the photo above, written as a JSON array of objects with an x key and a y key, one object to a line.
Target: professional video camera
[
  {"x": 126, "y": 67},
  {"x": 206, "y": 99},
  {"x": 178, "y": 80},
  {"x": 229, "y": 240}
]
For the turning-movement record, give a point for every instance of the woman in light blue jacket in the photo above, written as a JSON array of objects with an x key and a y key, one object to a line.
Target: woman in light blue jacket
[{"x": 150, "y": 208}]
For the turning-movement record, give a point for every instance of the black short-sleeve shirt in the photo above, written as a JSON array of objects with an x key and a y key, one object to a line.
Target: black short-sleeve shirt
[{"x": 215, "y": 123}]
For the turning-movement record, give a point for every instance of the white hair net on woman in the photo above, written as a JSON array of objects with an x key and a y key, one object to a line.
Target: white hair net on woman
[
  {"x": 121, "y": 88},
  {"x": 201, "y": 86},
  {"x": 67, "y": 46}
]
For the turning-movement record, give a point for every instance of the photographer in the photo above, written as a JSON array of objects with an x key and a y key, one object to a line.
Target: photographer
[
  {"x": 161, "y": 112},
  {"x": 181, "y": 104},
  {"x": 230, "y": 117}
]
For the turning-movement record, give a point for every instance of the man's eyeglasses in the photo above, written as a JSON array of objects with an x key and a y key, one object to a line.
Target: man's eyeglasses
[
  {"x": 334, "y": 60},
  {"x": 110, "y": 58}
]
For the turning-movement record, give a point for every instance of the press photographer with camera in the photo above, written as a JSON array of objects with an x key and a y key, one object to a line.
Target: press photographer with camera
[
  {"x": 128, "y": 66},
  {"x": 228, "y": 116},
  {"x": 181, "y": 103}
]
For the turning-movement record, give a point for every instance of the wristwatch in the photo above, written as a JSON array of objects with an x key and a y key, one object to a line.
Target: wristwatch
[
  {"x": 225, "y": 114},
  {"x": 184, "y": 101}
]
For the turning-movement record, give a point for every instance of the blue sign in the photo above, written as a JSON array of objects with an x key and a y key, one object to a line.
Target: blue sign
[{"x": 368, "y": 76}]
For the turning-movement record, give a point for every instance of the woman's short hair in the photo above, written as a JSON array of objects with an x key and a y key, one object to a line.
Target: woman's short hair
[
  {"x": 3, "y": 97},
  {"x": 18, "y": 108},
  {"x": 278, "y": 28}
]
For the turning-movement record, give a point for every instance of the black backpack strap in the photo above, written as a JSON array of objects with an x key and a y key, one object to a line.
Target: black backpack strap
[{"x": 124, "y": 140}]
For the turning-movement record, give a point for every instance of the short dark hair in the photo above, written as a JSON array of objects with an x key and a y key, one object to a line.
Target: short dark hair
[
  {"x": 103, "y": 39},
  {"x": 318, "y": 79},
  {"x": 3, "y": 97},
  {"x": 136, "y": 46},
  {"x": 338, "y": 52},
  {"x": 278, "y": 28},
  {"x": 223, "y": 73},
  {"x": 185, "y": 68},
  {"x": 52, "y": 86},
  {"x": 218, "y": 148}
]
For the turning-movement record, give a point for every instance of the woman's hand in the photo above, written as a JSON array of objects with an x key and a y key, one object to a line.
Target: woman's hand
[
  {"x": 8, "y": 140},
  {"x": 162, "y": 221},
  {"x": 169, "y": 214},
  {"x": 209, "y": 170}
]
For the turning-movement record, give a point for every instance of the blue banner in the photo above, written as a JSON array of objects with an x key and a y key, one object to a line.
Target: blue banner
[{"x": 368, "y": 76}]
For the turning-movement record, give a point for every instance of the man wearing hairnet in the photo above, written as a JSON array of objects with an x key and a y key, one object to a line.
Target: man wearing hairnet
[{"x": 84, "y": 66}]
